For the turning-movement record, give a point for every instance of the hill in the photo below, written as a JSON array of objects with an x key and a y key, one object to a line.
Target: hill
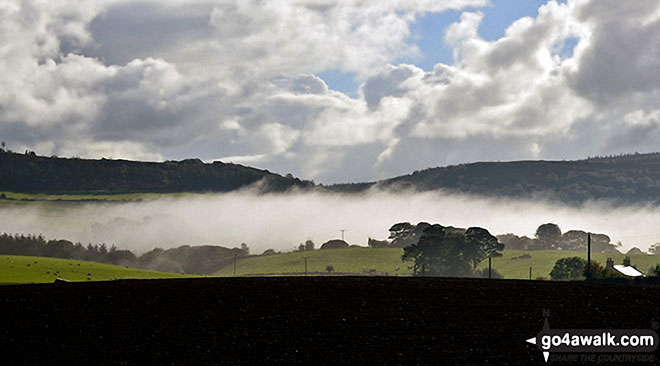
[
  {"x": 26, "y": 269},
  {"x": 514, "y": 264},
  {"x": 32, "y": 173},
  {"x": 621, "y": 179}
]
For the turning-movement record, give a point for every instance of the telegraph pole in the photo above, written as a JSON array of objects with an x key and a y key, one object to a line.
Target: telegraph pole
[
  {"x": 588, "y": 256},
  {"x": 342, "y": 234},
  {"x": 234, "y": 264},
  {"x": 530, "y": 273},
  {"x": 305, "y": 265}
]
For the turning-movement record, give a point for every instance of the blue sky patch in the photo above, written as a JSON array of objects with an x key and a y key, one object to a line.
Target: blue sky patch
[
  {"x": 341, "y": 81},
  {"x": 566, "y": 50},
  {"x": 428, "y": 31}
]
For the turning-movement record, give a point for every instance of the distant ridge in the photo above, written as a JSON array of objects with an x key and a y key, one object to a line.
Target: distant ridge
[
  {"x": 632, "y": 178},
  {"x": 32, "y": 173},
  {"x": 622, "y": 179}
]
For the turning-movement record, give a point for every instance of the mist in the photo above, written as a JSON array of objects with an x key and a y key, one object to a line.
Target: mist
[{"x": 282, "y": 221}]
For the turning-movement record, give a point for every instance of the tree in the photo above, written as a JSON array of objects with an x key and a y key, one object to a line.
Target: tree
[
  {"x": 599, "y": 271},
  {"x": 121, "y": 257},
  {"x": 574, "y": 240},
  {"x": 373, "y": 243},
  {"x": 329, "y": 268},
  {"x": 420, "y": 252},
  {"x": 655, "y": 248},
  {"x": 481, "y": 245},
  {"x": 452, "y": 258},
  {"x": 404, "y": 234},
  {"x": 269, "y": 252},
  {"x": 515, "y": 242},
  {"x": 577, "y": 240},
  {"x": 334, "y": 244},
  {"x": 600, "y": 243},
  {"x": 454, "y": 253},
  {"x": 570, "y": 268},
  {"x": 245, "y": 249},
  {"x": 549, "y": 236},
  {"x": 307, "y": 245}
]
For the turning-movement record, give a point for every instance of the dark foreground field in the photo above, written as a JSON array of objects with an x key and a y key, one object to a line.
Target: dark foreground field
[{"x": 321, "y": 320}]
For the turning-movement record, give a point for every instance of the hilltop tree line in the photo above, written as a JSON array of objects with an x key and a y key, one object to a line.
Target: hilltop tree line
[
  {"x": 633, "y": 178},
  {"x": 32, "y": 173},
  {"x": 404, "y": 234},
  {"x": 621, "y": 179},
  {"x": 436, "y": 250},
  {"x": 184, "y": 259},
  {"x": 550, "y": 237}
]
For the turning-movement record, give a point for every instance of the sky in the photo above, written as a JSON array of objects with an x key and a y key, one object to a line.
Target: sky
[{"x": 335, "y": 91}]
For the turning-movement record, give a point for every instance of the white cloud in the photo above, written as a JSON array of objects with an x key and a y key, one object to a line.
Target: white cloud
[{"x": 145, "y": 79}]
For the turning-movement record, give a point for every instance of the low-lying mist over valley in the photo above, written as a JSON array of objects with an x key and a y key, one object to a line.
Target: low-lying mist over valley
[{"x": 282, "y": 221}]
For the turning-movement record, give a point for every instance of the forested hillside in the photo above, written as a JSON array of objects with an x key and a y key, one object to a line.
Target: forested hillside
[
  {"x": 623, "y": 179},
  {"x": 32, "y": 173}
]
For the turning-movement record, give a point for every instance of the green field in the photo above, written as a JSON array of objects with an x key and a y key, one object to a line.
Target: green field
[
  {"x": 542, "y": 262},
  {"x": 90, "y": 195},
  {"x": 350, "y": 260},
  {"x": 23, "y": 269},
  {"x": 386, "y": 261}
]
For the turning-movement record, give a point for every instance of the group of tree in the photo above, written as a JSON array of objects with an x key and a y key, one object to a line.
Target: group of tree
[
  {"x": 32, "y": 173},
  {"x": 575, "y": 268},
  {"x": 335, "y": 244},
  {"x": 203, "y": 259},
  {"x": 633, "y": 178},
  {"x": 442, "y": 251},
  {"x": 184, "y": 259},
  {"x": 308, "y": 245},
  {"x": 404, "y": 234},
  {"x": 37, "y": 245},
  {"x": 549, "y": 237},
  {"x": 654, "y": 248}
]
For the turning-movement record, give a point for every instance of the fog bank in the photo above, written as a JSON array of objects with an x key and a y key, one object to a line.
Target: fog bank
[{"x": 282, "y": 221}]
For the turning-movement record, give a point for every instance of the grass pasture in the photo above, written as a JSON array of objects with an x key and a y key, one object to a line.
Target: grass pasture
[
  {"x": 350, "y": 260},
  {"x": 25, "y": 269},
  {"x": 542, "y": 262},
  {"x": 514, "y": 264},
  {"x": 77, "y": 196}
]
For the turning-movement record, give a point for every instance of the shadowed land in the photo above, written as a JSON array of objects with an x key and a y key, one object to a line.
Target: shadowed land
[{"x": 346, "y": 320}]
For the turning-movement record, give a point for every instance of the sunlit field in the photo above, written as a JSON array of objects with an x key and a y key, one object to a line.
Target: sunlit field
[
  {"x": 514, "y": 264},
  {"x": 25, "y": 269}
]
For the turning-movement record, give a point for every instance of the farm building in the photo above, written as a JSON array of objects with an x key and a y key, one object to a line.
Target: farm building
[{"x": 625, "y": 269}]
